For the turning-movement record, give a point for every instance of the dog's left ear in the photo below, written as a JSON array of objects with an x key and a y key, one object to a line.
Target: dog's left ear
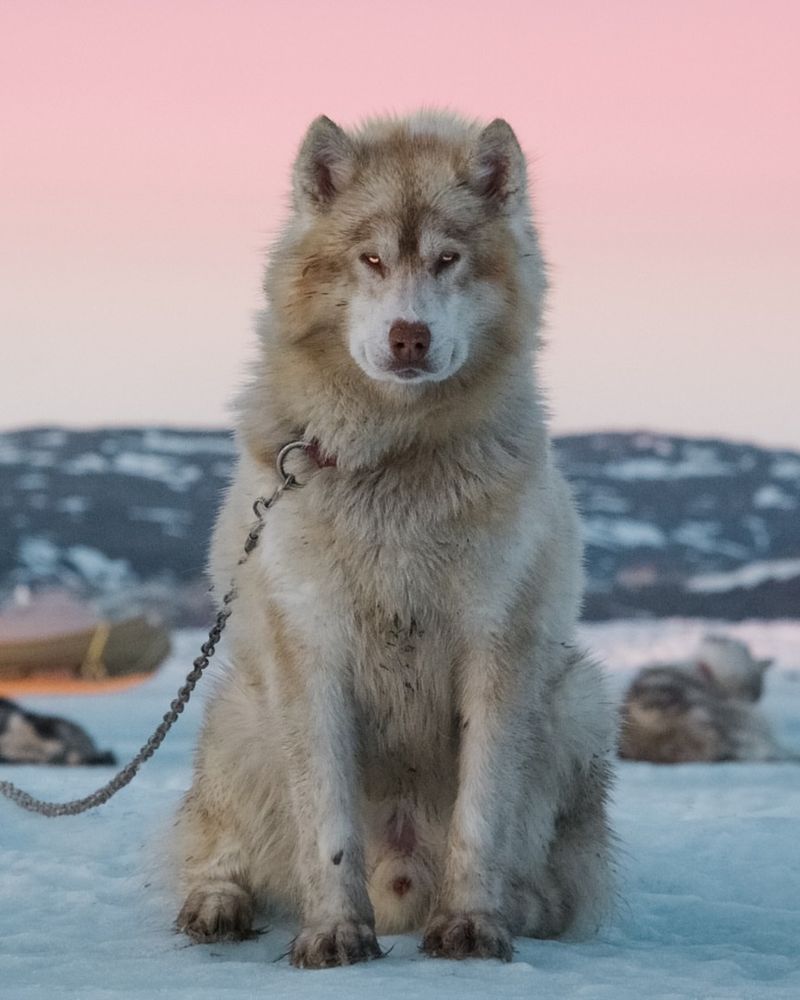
[
  {"x": 324, "y": 164},
  {"x": 498, "y": 166}
]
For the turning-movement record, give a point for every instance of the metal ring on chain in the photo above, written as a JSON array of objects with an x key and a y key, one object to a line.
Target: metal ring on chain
[
  {"x": 280, "y": 462},
  {"x": 207, "y": 650}
]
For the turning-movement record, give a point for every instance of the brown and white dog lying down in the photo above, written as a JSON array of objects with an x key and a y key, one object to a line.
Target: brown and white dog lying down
[
  {"x": 407, "y": 737},
  {"x": 701, "y": 710},
  {"x": 30, "y": 738}
]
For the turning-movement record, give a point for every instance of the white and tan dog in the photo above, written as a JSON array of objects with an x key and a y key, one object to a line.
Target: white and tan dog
[{"x": 407, "y": 736}]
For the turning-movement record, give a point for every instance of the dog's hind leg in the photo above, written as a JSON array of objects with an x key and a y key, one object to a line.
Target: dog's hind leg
[
  {"x": 572, "y": 891},
  {"x": 219, "y": 903},
  {"x": 572, "y": 894}
]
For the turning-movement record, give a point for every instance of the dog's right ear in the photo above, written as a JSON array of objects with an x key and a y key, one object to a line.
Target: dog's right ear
[{"x": 324, "y": 164}]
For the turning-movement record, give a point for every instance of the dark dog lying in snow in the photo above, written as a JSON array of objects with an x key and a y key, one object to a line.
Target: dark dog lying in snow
[
  {"x": 27, "y": 738},
  {"x": 701, "y": 710}
]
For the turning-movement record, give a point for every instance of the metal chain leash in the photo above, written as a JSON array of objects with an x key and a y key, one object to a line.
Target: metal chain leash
[{"x": 207, "y": 650}]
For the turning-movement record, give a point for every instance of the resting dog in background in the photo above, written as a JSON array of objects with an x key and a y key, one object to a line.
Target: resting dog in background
[
  {"x": 407, "y": 736},
  {"x": 702, "y": 710},
  {"x": 28, "y": 738}
]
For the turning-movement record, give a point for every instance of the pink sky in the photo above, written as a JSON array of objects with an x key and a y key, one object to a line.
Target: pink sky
[{"x": 144, "y": 155}]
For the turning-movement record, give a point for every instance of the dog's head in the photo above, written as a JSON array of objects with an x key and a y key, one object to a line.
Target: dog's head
[
  {"x": 411, "y": 244},
  {"x": 729, "y": 663}
]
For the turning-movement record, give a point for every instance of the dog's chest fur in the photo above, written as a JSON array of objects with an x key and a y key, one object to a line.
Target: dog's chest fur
[
  {"x": 406, "y": 573},
  {"x": 403, "y": 685},
  {"x": 398, "y": 559},
  {"x": 387, "y": 548}
]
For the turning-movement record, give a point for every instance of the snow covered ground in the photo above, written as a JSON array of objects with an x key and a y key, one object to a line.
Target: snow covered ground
[{"x": 709, "y": 861}]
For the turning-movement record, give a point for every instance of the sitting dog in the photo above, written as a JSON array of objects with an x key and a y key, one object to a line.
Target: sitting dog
[
  {"x": 407, "y": 736},
  {"x": 28, "y": 738},
  {"x": 702, "y": 710}
]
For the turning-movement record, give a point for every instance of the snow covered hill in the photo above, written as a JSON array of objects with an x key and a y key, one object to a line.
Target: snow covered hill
[
  {"x": 673, "y": 525},
  {"x": 687, "y": 526},
  {"x": 709, "y": 905}
]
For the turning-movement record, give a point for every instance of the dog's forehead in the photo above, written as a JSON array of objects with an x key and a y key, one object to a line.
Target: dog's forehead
[
  {"x": 407, "y": 226},
  {"x": 405, "y": 194}
]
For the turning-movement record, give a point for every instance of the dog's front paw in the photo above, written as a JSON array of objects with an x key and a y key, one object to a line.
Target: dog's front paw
[
  {"x": 223, "y": 913},
  {"x": 467, "y": 935},
  {"x": 343, "y": 943}
]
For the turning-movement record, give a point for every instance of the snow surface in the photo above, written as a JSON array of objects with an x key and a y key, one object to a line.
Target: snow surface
[
  {"x": 622, "y": 532},
  {"x": 154, "y": 439},
  {"x": 772, "y": 496},
  {"x": 709, "y": 872},
  {"x": 697, "y": 461},
  {"x": 159, "y": 467},
  {"x": 704, "y": 537},
  {"x": 748, "y": 576}
]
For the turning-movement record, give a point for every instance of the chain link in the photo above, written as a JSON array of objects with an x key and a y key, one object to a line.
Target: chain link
[{"x": 177, "y": 705}]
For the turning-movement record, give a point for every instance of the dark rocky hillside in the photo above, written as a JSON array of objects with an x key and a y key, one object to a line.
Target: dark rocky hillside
[
  {"x": 677, "y": 526},
  {"x": 673, "y": 526}
]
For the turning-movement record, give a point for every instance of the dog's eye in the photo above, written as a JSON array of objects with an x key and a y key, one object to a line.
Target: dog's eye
[
  {"x": 373, "y": 261},
  {"x": 446, "y": 260}
]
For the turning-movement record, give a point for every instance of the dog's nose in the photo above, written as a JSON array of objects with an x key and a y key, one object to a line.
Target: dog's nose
[{"x": 409, "y": 342}]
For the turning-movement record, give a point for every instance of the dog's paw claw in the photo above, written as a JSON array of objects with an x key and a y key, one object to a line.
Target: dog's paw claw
[
  {"x": 467, "y": 935},
  {"x": 343, "y": 943}
]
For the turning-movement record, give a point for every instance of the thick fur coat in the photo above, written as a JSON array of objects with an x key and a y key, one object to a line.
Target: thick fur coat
[{"x": 407, "y": 736}]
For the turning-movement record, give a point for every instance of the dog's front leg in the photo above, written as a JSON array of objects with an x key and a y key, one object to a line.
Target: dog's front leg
[
  {"x": 470, "y": 918},
  {"x": 338, "y": 922}
]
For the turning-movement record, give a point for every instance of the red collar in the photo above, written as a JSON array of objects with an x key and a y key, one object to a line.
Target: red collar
[{"x": 320, "y": 458}]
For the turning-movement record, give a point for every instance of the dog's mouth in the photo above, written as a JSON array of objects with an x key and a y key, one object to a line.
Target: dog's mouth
[
  {"x": 417, "y": 370},
  {"x": 403, "y": 372},
  {"x": 408, "y": 374}
]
